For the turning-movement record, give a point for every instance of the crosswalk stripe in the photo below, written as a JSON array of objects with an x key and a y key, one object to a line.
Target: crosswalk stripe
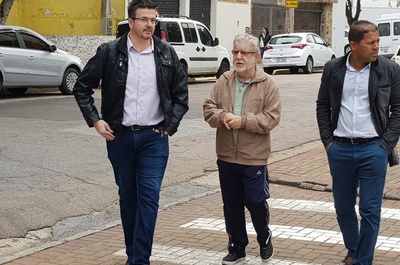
[
  {"x": 181, "y": 255},
  {"x": 322, "y": 206},
  {"x": 295, "y": 232},
  {"x": 189, "y": 256}
]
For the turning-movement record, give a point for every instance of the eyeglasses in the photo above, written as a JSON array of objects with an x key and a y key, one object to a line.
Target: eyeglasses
[
  {"x": 145, "y": 20},
  {"x": 243, "y": 53}
]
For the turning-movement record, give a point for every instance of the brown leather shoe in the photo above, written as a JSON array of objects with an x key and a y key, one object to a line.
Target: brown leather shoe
[{"x": 347, "y": 261}]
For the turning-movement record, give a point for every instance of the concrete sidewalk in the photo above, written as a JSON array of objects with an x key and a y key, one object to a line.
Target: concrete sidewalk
[{"x": 192, "y": 232}]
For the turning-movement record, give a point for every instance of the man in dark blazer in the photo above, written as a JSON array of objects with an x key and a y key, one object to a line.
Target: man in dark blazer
[{"x": 358, "y": 114}]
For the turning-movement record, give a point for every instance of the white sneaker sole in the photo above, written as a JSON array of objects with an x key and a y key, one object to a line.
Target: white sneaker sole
[
  {"x": 265, "y": 260},
  {"x": 239, "y": 261}
]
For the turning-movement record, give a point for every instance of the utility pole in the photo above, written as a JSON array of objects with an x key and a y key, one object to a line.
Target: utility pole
[
  {"x": 289, "y": 16},
  {"x": 106, "y": 17},
  {"x": 289, "y": 20}
]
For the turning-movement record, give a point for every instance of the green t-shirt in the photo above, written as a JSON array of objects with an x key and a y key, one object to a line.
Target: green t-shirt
[{"x": 239, "y": 93}]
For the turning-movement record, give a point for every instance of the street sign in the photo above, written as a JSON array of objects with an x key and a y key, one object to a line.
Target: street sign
[{"x": 292, "y": 4}]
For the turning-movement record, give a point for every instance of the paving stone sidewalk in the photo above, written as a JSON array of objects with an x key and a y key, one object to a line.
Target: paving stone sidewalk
[{"x": 302, "y": 220}]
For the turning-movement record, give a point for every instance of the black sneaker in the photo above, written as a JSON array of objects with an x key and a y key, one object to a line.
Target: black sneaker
[
  {"x": 233, "y": 258},
  {"x": 267, "y": 252}
]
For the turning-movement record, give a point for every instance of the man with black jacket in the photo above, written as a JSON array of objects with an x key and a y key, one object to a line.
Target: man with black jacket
[
  {"x": 144, "y": 98},
  {"x": 358, "y": 113}
]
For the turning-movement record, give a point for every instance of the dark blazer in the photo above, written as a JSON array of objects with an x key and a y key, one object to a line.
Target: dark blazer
[{"x": 384, "y": 99}]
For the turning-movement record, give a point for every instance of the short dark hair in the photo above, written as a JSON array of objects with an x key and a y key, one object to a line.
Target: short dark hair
[
  {"x": 359, "y": 28},
  {"x": 135, "y": 4}
]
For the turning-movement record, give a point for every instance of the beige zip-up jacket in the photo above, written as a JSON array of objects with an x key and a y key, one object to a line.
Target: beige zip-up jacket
[{"x": 261, "y": 111}]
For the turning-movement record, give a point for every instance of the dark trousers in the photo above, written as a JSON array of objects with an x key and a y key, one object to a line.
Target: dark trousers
[
  {"x": 139, "y": 159},
  {"x": 360, "y": 166},
  {"x": 244, "y": 186}
]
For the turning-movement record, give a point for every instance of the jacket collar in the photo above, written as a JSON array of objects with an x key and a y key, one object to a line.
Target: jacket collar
[
  {"x": 375, "y": 66},
  {"x": 158, "y": 44}
]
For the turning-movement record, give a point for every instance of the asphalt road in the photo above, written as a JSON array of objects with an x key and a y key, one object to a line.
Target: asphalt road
[{"x": 56, "y": 180}]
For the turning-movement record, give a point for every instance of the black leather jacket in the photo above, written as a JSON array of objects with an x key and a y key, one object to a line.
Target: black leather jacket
[
  {"x": 384, "y": 99},
  {"x": 110, "y": 65}
]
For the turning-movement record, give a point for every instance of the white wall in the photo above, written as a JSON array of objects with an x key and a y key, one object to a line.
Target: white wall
[
  {"x": 374, "y": 3},
  {"x": 339, "y": 23},
  {"x": 228, "y": 20},
  {"x": 373, "y": 13}
]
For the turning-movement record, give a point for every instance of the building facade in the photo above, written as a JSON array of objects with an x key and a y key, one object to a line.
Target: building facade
[
  {"x": 224, "y": 18},
  {"x": 68, "y": 18}
]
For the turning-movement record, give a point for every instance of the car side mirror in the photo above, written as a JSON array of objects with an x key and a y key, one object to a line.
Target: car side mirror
[
  {"x": 216, "y": 42},
  {"x": 327, "y": 44},
  {"x": 53, "y": 48}
]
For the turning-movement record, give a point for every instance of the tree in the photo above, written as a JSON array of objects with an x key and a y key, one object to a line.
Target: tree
[
  {"x": 349, "y": 11},
  {"x": 5, "y": 7}
]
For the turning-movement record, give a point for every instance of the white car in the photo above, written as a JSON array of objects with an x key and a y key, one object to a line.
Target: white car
[
  {"x": 296, "y": 50},
  {"x": 346, "y": 41},
  {"x": 198, "y": 51},
  {"x": 396, "y": 57},
  {"x": 27, "y": 59}
]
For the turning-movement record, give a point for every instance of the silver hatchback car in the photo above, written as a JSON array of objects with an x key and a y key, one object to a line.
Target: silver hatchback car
[{"x": 27, "y": 59}]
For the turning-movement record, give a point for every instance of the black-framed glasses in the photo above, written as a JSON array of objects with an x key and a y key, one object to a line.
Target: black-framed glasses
[
  {"x": 145, "y": 20},
  {"x": 243, "y": 53}
]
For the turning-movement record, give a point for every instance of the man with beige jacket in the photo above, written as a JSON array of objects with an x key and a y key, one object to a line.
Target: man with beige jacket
[{"x": 244, "y": 106}]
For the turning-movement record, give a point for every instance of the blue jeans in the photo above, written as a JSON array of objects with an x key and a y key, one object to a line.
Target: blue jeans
[
  {"x": 139, "y": 159},
  {"x": 244, "y": 186},
  {"x": 360, "y": 166}
]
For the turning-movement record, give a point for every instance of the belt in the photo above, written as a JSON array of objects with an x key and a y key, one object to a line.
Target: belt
[
  {"x": 345, "y": 140},
  {"x": 139, "y": 127}
]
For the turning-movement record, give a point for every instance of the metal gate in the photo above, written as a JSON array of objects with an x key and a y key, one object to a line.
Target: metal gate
[
  {"x": 200, "y": 10},
  {"x": 170, "y": 7}
]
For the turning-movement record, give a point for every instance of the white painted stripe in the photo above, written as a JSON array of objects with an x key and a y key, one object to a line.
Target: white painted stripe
[
  {"x": 295, "y": 233},
  {"x": 322, "y": 206},
  {"x": 189, "y": 256}
]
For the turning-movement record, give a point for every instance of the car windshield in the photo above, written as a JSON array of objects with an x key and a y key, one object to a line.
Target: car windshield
[{"x": 285, "y": 40}]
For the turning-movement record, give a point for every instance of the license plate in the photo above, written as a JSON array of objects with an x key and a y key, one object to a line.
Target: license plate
[{"x": 280, "y": 60}]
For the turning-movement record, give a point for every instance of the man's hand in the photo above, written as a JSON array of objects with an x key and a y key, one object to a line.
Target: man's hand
[
  {"x": 327, "y": 147},
  {"x": 232, "y": 121},
  {"x": 165, "y": 133},
  {"x": 104, "y": 130}
]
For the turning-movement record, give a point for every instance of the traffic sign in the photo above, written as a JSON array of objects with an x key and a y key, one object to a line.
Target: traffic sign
[{"x": 292, "y": 4}]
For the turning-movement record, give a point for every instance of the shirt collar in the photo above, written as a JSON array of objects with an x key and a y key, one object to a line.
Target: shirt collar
[
  {"x": 348, "y": 66},
  {"x": 130, "y": 45}
]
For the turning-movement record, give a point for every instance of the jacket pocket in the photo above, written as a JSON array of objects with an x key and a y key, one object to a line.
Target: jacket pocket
[{"x": 253, "y": 105}]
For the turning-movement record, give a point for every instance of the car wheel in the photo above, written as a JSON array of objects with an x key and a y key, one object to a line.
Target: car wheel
[
  {"x": 268, "y": 70},
  {"x": 294, "y": 70},
  {"x": 309, "y": 66},
  {"x": 347, "y": 48},
  {"x": 69, "y": 80},
  {"x": 223, "y": 68},
  {"x": 18, "y": 90}
]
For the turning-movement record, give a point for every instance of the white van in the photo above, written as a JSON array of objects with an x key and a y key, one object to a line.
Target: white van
[
  {"x": 389, "y": 34},
  {"x": 198, "y": 51}
]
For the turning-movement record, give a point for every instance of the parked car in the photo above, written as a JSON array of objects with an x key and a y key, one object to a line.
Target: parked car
[
  {"x": 396, "y": 57},
  {"x": 389, "y": 34},
  {"x": 296, "y": 50},
  {"x": 346, "y": 41},
  {"x": 199, "y": 53},
  {"x": 28, "y": 59}
]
